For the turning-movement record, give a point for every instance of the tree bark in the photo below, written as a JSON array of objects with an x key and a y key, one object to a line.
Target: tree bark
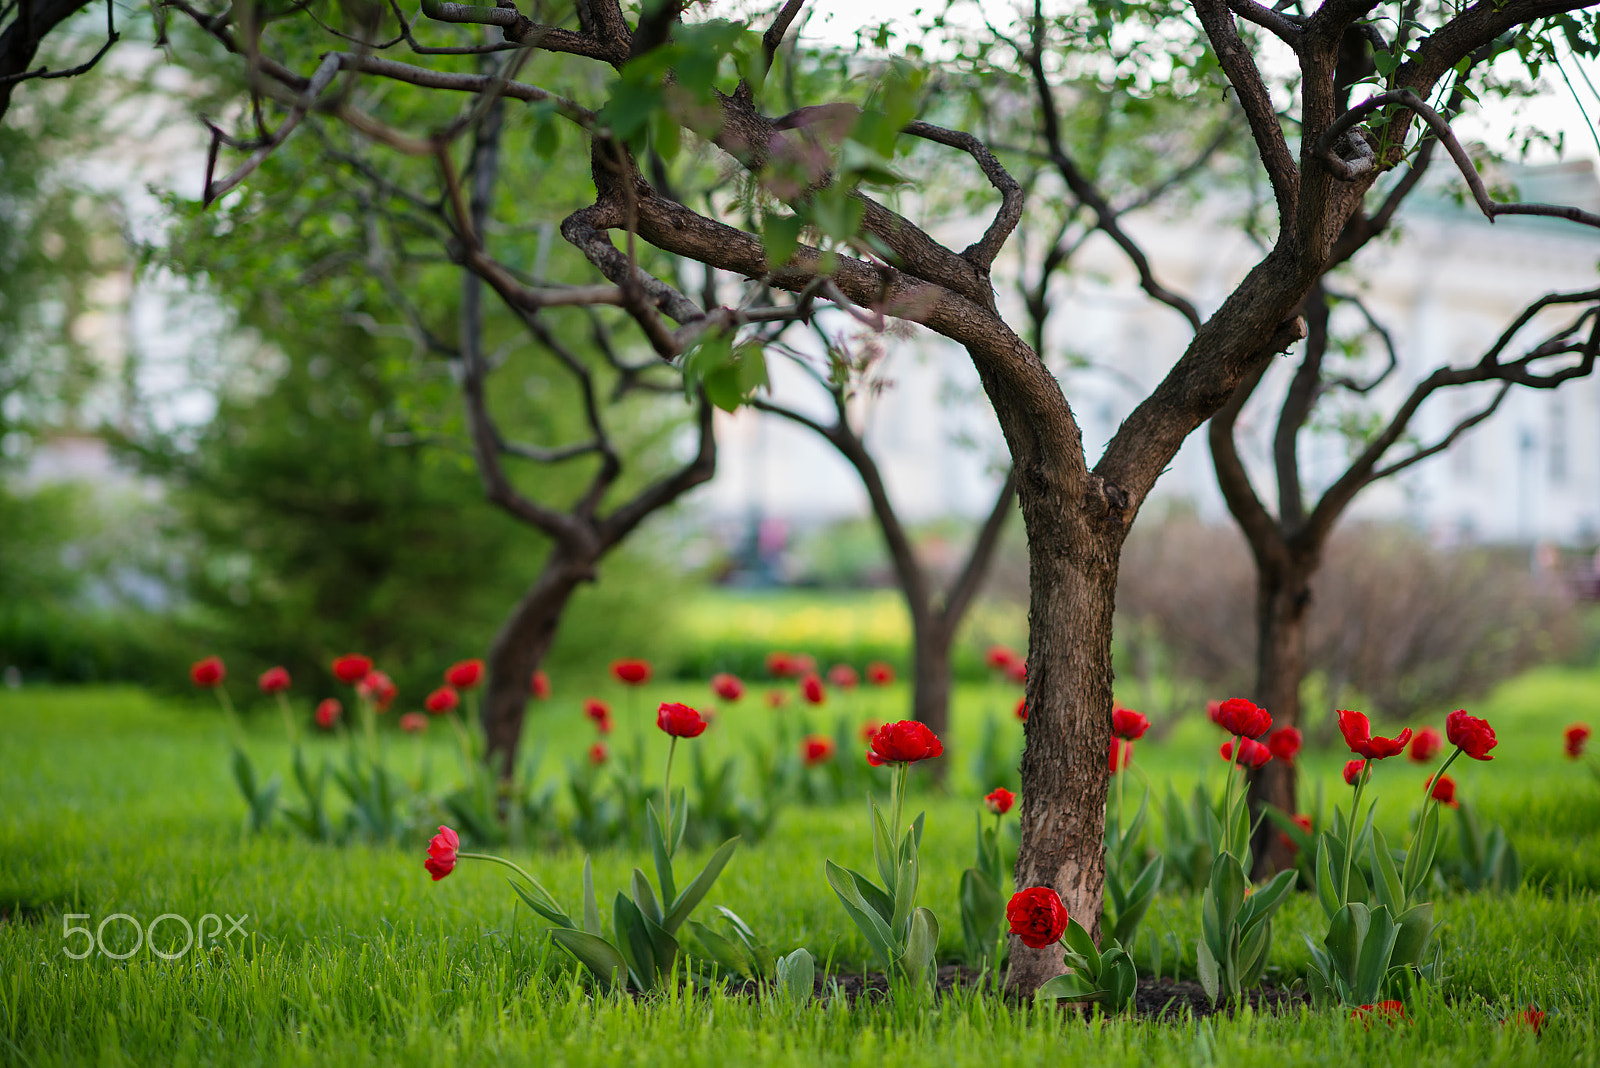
[
  {"x": 1283, "y": 600},
  {"x": 518, "y": 650},
  {"x": 1064, "y": 764},
  {"x": 930, "y": 681}
]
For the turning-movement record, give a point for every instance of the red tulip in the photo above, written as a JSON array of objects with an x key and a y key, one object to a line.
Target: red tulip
[
  {"x": 208, "y": 672},
  {"x": 816, "y": 749},
  {"x": 1214, "y": 712},
  {"x": 1017, "y": 671},
  {"x": 1530, "y": 1017},
  {"x": 1472, "y": 735},
  {"x": 777, "y": 698},
  {"x": 843, "y": 676},
  {"x": 379, "y": 689},
  {"x": 999, "y": 800},
  {"x": 1352, "y": 771},
  {"x": 1252, "y": 754},
  {"x": 811, "y": 689},
  {"x": 539, "y": 685},
  {"x": 1425, "y": 746},
  {"x": 869, "y": 728},
  {"x": 1302, "y": 822},
  {"x": 1022, "y": 709},
  {"x": 905, "y": 742},
  {"x": 1037, "y": 916},
  {"x": 328, "y": 712},
  {"x": 680, "y": 721},
  {"x": 352, "y": 668},
  {"x": 598, "y": 753},
  {"x": 1389, "y": 1012},
  {"x": 1576, "y": 735},
  {"x": 1128, "y": 724},
  {"x": 631, "y": 672},
  {"x": 1121, "y": 755},
  {"x": 1444, "y": 791},
  {"x": 442, "y": 849},
  {"x": 413, "y": 722},
  {"x": 1241, "y": 717},
  {"x": 1285, "y": 743},
  {"x": 444, "y": 699},
  {"x": 879, "y": 673},
  {"x": 726, "y": 686},
  {"x": 1357, "y": 733},
  {"x": 464, "y": 674},
  {"x": 999, "y": 657},
  {"x": 274, "y": 680},
  {"x": 598, "y": 711}
]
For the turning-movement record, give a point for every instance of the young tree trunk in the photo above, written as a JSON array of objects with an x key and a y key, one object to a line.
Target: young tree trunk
[
  {"x": 1064, "y": 766},
  {"x": 1283, "y": 598},
  {"x": 930, "y": 682},
  {"x": 519, "y": 648}
]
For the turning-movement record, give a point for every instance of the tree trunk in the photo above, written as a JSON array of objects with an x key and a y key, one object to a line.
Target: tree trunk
[
  {"x": 1064, "y": 765},
  {"x": 519, "y": 648},
  {"x": 930, "y": 683},
  {"x": 1283, "y": 598}
]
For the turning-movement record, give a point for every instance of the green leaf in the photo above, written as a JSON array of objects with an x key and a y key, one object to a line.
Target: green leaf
[
  {"x": 760, "y": 955},
  {"x": 658, "y": 851},
  {"x": 591, "y": 908},
  {"x": 644, "y": 897},
  {"x": 680, "y": 814},
  {"x": 1344, "y": 939},
  {"x": 1206, "y": 965},
  {"x": 539, "y": 900},
  {"x": 593, "y": 952},
  {"x": 905, "y": 892},
  {"x": 1419, "y": 862},
  {"x": 981, "y": 912},
  {"x": 1069, "y": 987},
  {"x": 1415, "y": 928},
  {"x": 1138, "y": 901},
  {"x": 866, "y": 919},
  {"x": 1372, "y": 967},
  {"x": 780, "y": 234},
  {"x": 1079, "y": 942},
  {"x": 634, "y": 942},
  {"x": 922, "y": 941},
  {"x": 696, "y": 890},
  {"x": 1386, "y": 887},
  {"x": 797, "y": 976},
  {"x": 1260, "y": 906},
  {"x": 883, "y": 848},
  {"x": 723, "y": 951},
  {"x": 1228, "y": 884}
]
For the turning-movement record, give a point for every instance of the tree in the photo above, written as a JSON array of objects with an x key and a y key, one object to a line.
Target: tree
[
  {"x": 24, "y": 24},
  {"x": 825, "y": 239}
]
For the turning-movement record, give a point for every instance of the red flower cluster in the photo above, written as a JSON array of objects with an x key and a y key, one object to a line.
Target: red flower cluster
[
  {"x": 328, "y": 712},
  {"x": 631, "y": 672},
  {"x": 679, "y": 720},
  {"x": 811, "y": 689},
  {"x": 1285, "y": 743},
  {"x": 1252, "y": 754},
  {"x": 464, "y": 674},
  {"x": 1357, "y": 733},
  {"x": 1301, "y": 821},
  {"x": 843, "y": 676},
  {"x": 816, "y": 749},
  {"x": 539, "y": 685},
  {"x": 1425, "y": 746},
  {"x": 879, "y": 673},
  {"x": 444, "y": 699},
  {"x": 1121, "y": 755},
  {"x": 1000, "y": 658},
  {"x": 1037, "y": 916},
  {"x": 1128, "y": 724},
  {"x": 413, "y": 722},
  {"x": 442, "y": 849},
  {"x": 999, "y": 800},
  {"x": 1240, "y": 717},
  {"x": 789, "y": 665},
  {"x": 598, "y": 711},
  {"x": 905, "y": 742},
  {"x": 352, "y": 668},
  {"x": 379, "y": 689},
  {"x": 1575, "y": 736},
  {"x": 208, "y": 672},
  {"x": 1473, "y": 736},
  {"x": 274, "y": 680},
  {"x": 726, "y": 686},
  {"x": 598, "y": 753},
  {"x": 1444, "y": 791}
]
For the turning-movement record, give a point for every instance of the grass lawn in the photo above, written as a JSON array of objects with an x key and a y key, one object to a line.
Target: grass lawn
[{"x": 114, "y": 803}]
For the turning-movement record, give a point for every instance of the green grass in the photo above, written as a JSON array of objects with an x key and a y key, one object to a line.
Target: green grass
[{"x": 112, "y": 802}]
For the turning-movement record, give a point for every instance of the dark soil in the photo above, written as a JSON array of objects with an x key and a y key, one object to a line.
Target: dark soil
[{"x": 1156, "y": 999}]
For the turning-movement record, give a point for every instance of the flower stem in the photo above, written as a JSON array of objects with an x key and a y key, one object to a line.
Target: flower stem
[
  {"x": 288, "y": 716},
  {"x": 1350, "y": 843},
  {"x": 1427, "y": 797},
  {"x": 1227, "y": 795},
  {"x": 672, "y": 748},
  {"x": 899, "y": 787},
  {"x": 500, "y": 860}
]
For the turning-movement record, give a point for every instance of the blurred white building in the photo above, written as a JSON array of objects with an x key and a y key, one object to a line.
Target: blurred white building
[{"x": 1445, "y": 287}]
